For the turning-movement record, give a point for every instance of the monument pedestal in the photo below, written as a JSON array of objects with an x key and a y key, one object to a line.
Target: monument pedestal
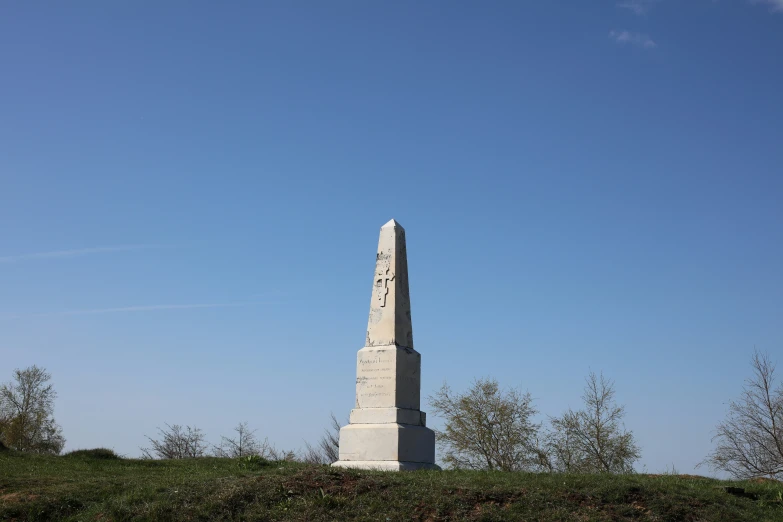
[
  {"x": 387, "y": 430},
  {"x": 389, "y": 446},
  {"x": 377, "y": 465}
]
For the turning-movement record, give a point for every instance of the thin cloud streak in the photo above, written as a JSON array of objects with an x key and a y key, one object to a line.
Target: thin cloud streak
[
  {"x": 638, "y": 39},
  {"x": 774, "y": 5},
  {"x": 642, "y": 7},
  {"x": 141, "y": 308},
  {"x": 637, "y": 7},
  {"x": 149, "y": 308},
  {"x": 77, "y": 252}
]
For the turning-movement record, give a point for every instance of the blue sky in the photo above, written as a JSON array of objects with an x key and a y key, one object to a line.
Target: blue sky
[{"x": 190, "y": 197}]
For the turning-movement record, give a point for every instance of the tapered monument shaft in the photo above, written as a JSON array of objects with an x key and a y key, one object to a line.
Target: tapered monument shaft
[
  {"x": 387, "y": 429},
  {"x": 390, "y": 305}
]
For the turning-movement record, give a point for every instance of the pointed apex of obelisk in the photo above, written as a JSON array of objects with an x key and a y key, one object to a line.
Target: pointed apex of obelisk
[
  {"x": 392, "y": 223},
  {"x": 390, "y": 306}
]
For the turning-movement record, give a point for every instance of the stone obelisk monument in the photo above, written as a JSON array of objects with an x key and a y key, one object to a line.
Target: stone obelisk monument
[{"x": 387, "y": 429}]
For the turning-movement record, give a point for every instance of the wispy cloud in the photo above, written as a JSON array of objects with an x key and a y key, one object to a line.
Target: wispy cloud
[
  {"x": 141, "y": 308},
  {"x": 628, "y": 37},
  {"x": 642, "y": 7},
  {"x": 77, "y": 252},
  {"x": 774, "y": 5},
  {"x": 637, "y": 7},
  {"x": 149, "y": 308}
]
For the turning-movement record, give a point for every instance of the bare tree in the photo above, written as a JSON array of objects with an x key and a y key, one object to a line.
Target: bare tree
[
  {"x": 750, "y": 439},
  {"x": 486, "y": 427},
  {"x": 593, "y": 440},
  {"x": 328, "y": 448},
  {"x": 246, "y": 444},
  {"x": 271, "y": 452},
  {"x": 176, "y": 442},
  {"x": 561, "y": 452},
  {"x": 243, "y": 445},
  {"x": 26, "y": 413}
]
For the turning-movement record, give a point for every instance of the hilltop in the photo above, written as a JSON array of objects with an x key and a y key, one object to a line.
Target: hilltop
[{"x": 95, "y": 485}]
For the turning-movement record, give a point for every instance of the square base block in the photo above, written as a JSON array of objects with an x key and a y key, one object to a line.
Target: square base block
[
  {"x": 379, "y": 465},
  {"x": 387, "y": 442},
  {"x": 388, "y": 415},
  {"x": 388, "y": 377}
]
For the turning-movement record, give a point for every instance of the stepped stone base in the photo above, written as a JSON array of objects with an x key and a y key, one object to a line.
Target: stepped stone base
[
  {"x": 387, "y": 446},
  {"x": 388, "y": 415},
  {"x": 381, "y": 465}
]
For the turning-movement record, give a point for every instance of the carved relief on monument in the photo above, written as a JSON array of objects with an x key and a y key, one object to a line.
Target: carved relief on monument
[{"x": 383, "y": 276}]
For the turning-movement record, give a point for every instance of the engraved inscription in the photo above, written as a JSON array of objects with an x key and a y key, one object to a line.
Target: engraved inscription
[{"x": 375, "y": 379}]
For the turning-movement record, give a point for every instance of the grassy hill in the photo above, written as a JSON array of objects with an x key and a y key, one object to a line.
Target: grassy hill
[{"x": 96, "y": 486}]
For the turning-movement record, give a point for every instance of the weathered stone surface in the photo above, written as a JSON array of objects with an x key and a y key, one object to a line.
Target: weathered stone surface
[
  {"x": 388, "y": 377},
  {"x": 387, "y": 430},
  {"x": 385, "y": 465},
  {"x": 396, "y": 442},
  {"x": 387, "y": 415},
  {"x": 390, "y": 306}
]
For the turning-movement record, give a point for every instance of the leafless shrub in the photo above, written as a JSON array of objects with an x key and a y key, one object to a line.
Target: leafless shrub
[
  {"x": 268, "y": 451},
  {"x": 750, "y": 439},
  {"x": 272, "y": 453},
  {"x": 244, "y": 444},
  {"x": 176, "y": 442},
  {"x": 328, "y": 448}
]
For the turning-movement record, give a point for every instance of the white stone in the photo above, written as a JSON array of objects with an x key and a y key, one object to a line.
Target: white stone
[
  {"x": 387, "y": 442},
  {"x": 381, "y": 465},
  {"x": 388, "y": 377},
  {"x": 387, "y": 415},
  {"x": 390, "y": 307},
  {"x": 387, "y": 429}
]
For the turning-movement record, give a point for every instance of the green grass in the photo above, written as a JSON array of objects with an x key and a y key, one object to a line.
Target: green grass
[{"x": 89, "y": 486}]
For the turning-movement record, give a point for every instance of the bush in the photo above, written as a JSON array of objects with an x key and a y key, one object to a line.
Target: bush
[
  {"x": 177, "y": 442},
  {"x": 26, "y": 413},
  {"x": 253, "y": 462},
  {"x": 487, "y": 427},
  {"x": 95, "y": 453},
  {"x": 594, "y": 439},
  {"x": 750, "y": 439}
]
